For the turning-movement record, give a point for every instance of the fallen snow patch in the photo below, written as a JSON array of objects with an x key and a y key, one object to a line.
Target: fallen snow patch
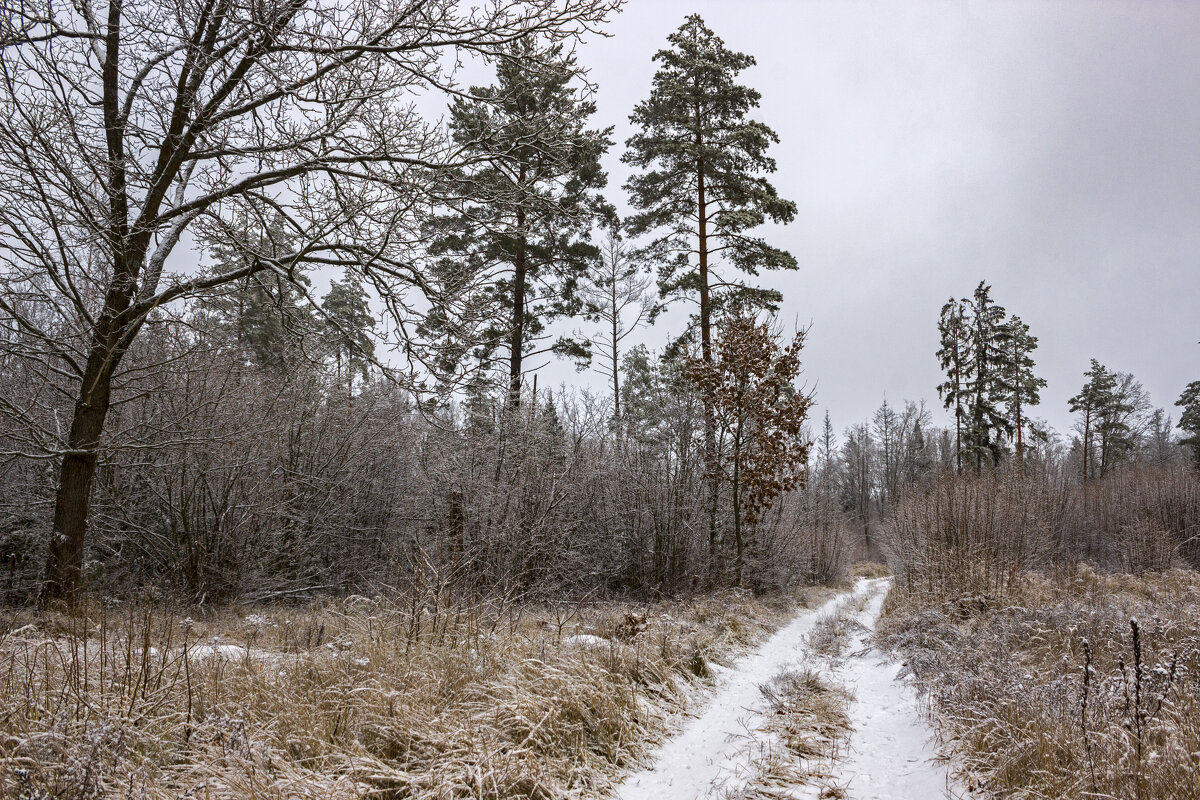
[{"x": 586, "y": 640}]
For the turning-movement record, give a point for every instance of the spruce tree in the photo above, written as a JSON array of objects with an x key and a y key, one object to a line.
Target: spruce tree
[
  {"x": 1189, "y": 420},
  {"x": 347, "y": 325},
  {"x": 987, "y": 337},
  {"x": 1023, "y": 387},
  {"x": 954, "y": 357},
  {"x": 515, "y": 246}
]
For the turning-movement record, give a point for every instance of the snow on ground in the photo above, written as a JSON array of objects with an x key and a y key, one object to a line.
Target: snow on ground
[
  {"x": 890, "y": 755},
  {"x": 891, "y": 752},
  {"x": 710, "y": 752}
]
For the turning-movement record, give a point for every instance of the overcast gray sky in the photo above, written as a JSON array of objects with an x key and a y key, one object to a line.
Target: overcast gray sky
[{"x": 1050, "y": 148}]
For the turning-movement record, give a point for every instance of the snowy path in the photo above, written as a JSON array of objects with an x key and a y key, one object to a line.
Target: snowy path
[
  {"x": 710, "y": 750},
  {"x": 889, "y": 751}
]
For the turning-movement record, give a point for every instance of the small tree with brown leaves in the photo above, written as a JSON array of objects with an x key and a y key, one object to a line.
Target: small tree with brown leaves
[{"x": 759, "y": 414}]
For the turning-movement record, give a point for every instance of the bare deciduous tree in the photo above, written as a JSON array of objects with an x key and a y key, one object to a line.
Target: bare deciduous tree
[
  {"x": 127, "y": 126},
  {"x": 619, "y": 297}
]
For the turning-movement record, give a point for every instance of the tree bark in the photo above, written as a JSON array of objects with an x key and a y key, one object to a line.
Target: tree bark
[
  {"x": 62, "y": 581},
  {"x": 1020, "y": 435},
  {"x": 517, "y": 336},
  {"x": 710, "y": 435},
  {"x": 738, "y": 563},
  {"x": 616, "y": 374}
]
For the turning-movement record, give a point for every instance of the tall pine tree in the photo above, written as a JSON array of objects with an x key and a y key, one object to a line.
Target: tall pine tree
[
  {"x": 264, "y": 315},
  {"x": 516, "y": 244},
  {"x": 701, "y": 185},
  {"x": 1095, "y": 396},
  {"x": 347, "y": 323},
  {"x": 700, "y": 188}
]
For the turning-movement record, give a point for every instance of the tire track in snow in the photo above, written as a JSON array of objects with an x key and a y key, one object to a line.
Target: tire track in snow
[
  {"x": 710, "y": 750},
  {"x": 890, "y": 754}
]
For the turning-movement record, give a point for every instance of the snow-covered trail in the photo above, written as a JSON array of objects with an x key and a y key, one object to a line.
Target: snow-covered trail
[
  {"x": 890, "y": 755},
  {"x": 710, "y": 749},
  {"x": 891, "y": 752}
]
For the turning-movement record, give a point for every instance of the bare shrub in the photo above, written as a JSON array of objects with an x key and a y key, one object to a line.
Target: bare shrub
[
  {"x": 1139, "y": 518},
  {"x": 969, "y": 534}
]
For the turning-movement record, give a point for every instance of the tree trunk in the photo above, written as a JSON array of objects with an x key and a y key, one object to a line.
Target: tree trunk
[
  {"x": 1087, "y": 442},
  {"x": 738, "y": 563},
  {"x": 1020, "y": 437},
  {"x": 517, "y": 336},
  {"x": 710, "y": 434},
  {"x": 616, "y": 374},
  {"x": 64, "y": 565}
]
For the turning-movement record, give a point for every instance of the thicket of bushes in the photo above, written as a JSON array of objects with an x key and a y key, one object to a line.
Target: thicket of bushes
[
  {"x": 228, "y": 481},
  {"x": 981, "y": 534},
  {"x": 1055, "y": 628}
]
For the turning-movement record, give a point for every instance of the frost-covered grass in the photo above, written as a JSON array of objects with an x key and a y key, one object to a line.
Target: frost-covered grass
[
  {"x": 869, "y": 569},
  {"x": 1076, "y": 686},
  {"x": 360, "y": 698},
  {"x": 831, "y": 635},
  {"x": 808, "y": 722}
]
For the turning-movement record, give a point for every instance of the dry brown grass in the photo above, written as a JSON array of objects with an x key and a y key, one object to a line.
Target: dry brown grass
[
  {"x": 361, "y": 698},
  {"x": 869, "y": 569},
  {"x": 833, "y": 633},
  {"x": 807, "y": 726},
  {"x": 1077, "y": 686}
]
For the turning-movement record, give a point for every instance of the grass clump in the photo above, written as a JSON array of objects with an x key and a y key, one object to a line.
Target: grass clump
[{"x": 806, "y": 725}]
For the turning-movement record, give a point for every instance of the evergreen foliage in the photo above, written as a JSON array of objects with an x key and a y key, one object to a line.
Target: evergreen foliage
[
  {"x": 953, "y": 356},
  {"x": 263, "y": 314},
  {"x": 1189, "y": 420},
  {"x": 700, "y": 185},
  {"x": 987, "y": 337},
  {"x": 990, "y": 382},
  {"x": 1114, "y": 408},
  {"x": 1022, "y": 385},
  {"x": 512, "y": 253},
  {"x": 348, "y": 323}
]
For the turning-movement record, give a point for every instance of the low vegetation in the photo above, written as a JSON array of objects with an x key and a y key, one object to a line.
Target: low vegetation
[
  {"x": 356, "y": 698},
  {"x": 1049, "y": 678},
  {"x": 807, "y": 726}
]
